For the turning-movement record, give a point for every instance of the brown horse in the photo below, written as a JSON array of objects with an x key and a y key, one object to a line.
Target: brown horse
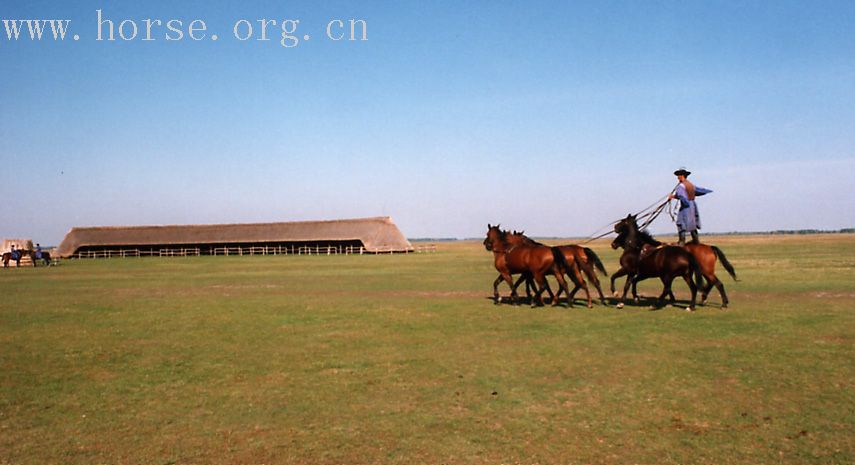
[
  {"x": 578, "y": 258},
  {"x": 45, "y": 257},
  {"x": 8, "y": 256},
  {"x": 705, "y": 255},
  {"x": 536, "y": 261},
  {"x": 656, "y": 259},
  {"x": 628, "y": 267}
]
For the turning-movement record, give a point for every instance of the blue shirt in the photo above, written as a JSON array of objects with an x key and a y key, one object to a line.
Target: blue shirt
[{"x": 688, "y": 218}]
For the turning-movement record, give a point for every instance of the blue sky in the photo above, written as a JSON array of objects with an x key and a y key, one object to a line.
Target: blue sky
[{"x": 554, "y": 117}]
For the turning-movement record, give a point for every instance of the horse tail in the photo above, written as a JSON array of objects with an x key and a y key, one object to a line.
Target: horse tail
[
  {"x": 595, "y": 259},
  {"x": 726, "y": 264},
  {"x": 558, "y": 257}
]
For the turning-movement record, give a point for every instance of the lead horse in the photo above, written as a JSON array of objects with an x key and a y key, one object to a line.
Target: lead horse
[
  {"x": 706, "y": 255},
  {"x": 656, "y": 259}
]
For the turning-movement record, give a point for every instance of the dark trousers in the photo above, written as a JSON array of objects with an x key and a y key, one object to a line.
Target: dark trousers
[{"x": 682, "y": 237}]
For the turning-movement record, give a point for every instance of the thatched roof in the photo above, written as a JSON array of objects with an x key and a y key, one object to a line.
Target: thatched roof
[{"x": 377, "y": 234}]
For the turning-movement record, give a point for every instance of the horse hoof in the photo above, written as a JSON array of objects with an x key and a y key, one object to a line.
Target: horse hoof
[
  {"x": 724, "y": 307},
  {"x": 619, "y": 305},
  {"x": 690, "y": 309}
]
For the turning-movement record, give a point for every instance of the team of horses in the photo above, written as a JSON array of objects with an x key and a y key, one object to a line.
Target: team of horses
[{"x": 643, "y": 257}]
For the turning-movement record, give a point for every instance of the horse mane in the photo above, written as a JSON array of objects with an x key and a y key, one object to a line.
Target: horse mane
[
  {"x": 647, "y": 238},
  {"x": 628, "y": 228},
  {"x": 528, "y": 239}
]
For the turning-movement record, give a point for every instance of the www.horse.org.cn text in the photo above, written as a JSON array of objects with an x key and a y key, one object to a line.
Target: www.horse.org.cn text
[{"x": 288, "y": 33}]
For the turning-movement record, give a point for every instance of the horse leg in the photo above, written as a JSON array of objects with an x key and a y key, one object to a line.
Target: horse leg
[
  {"x": 618, "y": 274},
  {"x": 592, "y": 275},
  {"x": 552, "y": 297},
  {"x": 519, "y": 281},
  {"x": 635, "y": 298},
  {"x": 562, "y": 285},
  {"x": 694, "y": 288},
  {"x": 579, "y": 281},
  {"x": 626, "y": 285},
  {"x": 557, "y": 294},
  {"x": 712, "y": 279},
  {"x": 705, "y": 288},
  {"x": 548, "y": 289},
  {"x": 496, "y": 298},
  {"x": 718, "y": 285},
  {"x": 510, "y": 280},
  {"x": 529, "y": 285},
  {"x": 572, "y": 295},
  {"x": 541, "y": 283},
  {"x": 666, "y": 289}
]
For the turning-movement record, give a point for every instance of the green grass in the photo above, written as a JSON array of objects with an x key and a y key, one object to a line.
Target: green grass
[{"x": 404, "y": 359}]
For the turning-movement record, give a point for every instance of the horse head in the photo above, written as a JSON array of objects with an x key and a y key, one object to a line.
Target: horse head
[
  {"x": 495, "y": 238},
  {"x": 626, "y": 224},
  {"x": 620, "y": 241},
  {"x": 626, "y": 230}
]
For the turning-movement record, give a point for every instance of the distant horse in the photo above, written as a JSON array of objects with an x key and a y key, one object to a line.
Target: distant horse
[
  {"x": 656, "y": 259},
  {"x": 45, "y": 257},
  {"x": 536, "y": 261},
  {"x": 705, "y": 255},
  {"x": 578, "y": 258},
  {"x": 17, "y": 257}
]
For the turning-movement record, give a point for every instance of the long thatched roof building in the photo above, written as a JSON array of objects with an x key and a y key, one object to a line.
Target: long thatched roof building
[{"x": 372, "y": 235}]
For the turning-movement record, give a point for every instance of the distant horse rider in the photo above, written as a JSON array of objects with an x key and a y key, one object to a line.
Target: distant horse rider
[
  {"x": 16, "y": 255},
  {"x": 38, "y": 251},
  {"x": 688, "y": 219}
]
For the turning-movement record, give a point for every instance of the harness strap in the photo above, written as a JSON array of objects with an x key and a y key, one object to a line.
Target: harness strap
[{"x": 644, "y": 254}]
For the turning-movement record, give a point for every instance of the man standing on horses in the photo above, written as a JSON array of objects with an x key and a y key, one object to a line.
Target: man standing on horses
[{"x": 688, "y": 219}]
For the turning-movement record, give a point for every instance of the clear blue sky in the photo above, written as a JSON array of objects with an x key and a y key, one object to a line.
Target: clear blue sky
[{"x": 554, "y": 117}]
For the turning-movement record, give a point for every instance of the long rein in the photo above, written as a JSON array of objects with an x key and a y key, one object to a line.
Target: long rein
[{"x": 645, "y": 216}]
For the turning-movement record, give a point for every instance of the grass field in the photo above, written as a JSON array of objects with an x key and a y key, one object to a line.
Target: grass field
[{"x": 404, "y": 359}]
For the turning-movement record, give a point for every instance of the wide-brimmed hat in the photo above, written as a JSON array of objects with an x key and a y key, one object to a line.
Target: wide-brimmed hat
[{"x": 682, "y": 172}]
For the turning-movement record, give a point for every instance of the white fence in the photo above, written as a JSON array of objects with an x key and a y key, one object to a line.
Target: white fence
[{"x": 255, "y": 250}]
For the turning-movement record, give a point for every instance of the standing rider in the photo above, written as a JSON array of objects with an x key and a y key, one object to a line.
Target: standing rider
[{"x": 687, "y": 218}]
